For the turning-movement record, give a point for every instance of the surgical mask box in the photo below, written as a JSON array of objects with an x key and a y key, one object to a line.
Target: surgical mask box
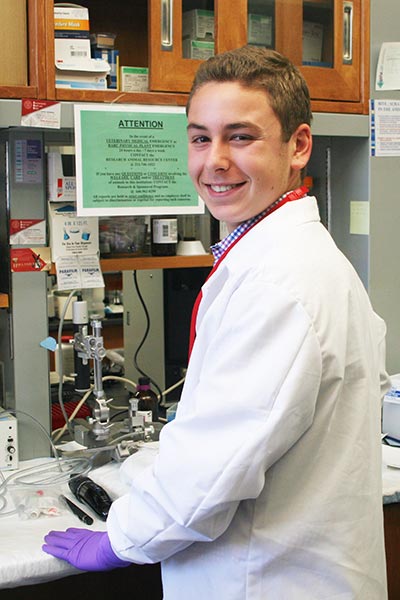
[
  {"x": 71, "y": 33},
  {"x": 8, "y": 441},
  {"x": 71, "y": 235},
  {"x": 61, "y": 180}
]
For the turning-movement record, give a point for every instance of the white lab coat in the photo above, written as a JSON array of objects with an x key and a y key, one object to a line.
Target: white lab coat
[{"x": 267, "y": 485}]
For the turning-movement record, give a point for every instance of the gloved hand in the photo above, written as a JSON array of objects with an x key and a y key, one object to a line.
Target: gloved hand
[{"x": 84, "y": 549}]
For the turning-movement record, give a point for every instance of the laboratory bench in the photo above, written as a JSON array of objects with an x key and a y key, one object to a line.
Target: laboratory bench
[{"x": 26, "y": 571}]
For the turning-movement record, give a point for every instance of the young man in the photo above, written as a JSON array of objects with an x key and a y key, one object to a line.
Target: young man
[{"x": 268, "y": 482}]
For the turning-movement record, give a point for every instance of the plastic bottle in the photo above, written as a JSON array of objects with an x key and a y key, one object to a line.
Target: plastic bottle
[
  {"x": 147, "y": 398},
  {"x": 164, "y": 236}
]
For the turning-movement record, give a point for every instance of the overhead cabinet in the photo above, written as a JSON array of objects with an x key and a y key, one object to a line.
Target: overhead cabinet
[{"x": 327, "y": 39}]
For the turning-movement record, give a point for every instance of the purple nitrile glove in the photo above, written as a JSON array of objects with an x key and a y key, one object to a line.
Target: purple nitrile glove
[{"x": 84, "y": 549}]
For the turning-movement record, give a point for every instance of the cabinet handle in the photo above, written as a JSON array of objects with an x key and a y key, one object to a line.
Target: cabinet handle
[
  {"x": 347, "y": 33},
  {"x": 167, "y": 41}
]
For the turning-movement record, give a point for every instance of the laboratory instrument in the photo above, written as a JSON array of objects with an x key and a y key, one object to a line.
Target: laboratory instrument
[
  {"x": 80, "y": 319},
  {"x": 8, "y": 441},
  {"x": 90, "y": 346},
  {"x": 91, "y": 494}
]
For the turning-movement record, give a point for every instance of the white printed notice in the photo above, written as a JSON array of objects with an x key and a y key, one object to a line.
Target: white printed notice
[
  {"x": 132, "y": 160},
  {"x": 385, "y": 127},
  {"x": 388, "y": 69}
]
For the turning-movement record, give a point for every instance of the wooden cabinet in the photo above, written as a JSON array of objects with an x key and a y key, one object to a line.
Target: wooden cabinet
[
  {"x": 130, "y": 22},
  {"x": 149, "y": 34},
  {"x": 32, "y": 37},
  {"x": 337, "y": 84}
]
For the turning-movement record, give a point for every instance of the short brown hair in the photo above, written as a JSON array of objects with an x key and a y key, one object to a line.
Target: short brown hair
[{"x": 264, "y": 69}]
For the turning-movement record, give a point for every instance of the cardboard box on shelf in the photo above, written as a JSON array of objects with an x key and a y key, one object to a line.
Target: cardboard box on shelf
[
  {"x": 198, "y": 24},
  {"x": 134, "y": 79},
  {"x": 71, "y": 33},
  {"x": 14, "y": 47},
  {"x": 112, "y": 58},
  {"x": 102, "y": 40},
  {"x": 259, "y": 30},
  {"x": 89, "y": 74},
  {"x": 197, "y": 49},
  {"x": 61, "y": 181}
]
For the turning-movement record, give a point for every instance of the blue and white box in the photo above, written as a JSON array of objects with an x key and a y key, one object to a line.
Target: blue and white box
[{"x": 391, "y": 409}]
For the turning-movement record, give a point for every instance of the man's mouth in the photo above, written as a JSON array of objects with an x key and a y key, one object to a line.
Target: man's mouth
[{"x": 223, "y": 188}]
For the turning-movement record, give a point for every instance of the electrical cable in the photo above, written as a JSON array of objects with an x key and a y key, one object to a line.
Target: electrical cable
[
  {"x": 171, "y": 389},
  {"x": 53, "y": 472},
  {"x": 46, "y": 474},
  {"x": 147, "y": 329},
  {"x": 118, "y": 414},
  {"x": 57, "y": 433}
]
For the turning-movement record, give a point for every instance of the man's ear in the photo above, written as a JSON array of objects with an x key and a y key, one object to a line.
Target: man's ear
[{"x": 302, "y": 146}]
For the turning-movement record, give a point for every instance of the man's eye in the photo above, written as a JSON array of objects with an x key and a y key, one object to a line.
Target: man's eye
[
  {"x": 200, "y": 139},
  {"x": 240, "y": 137}
]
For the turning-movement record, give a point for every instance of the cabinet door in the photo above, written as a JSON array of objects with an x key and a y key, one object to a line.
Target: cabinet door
[
  {"x": 23, "y": 71},
  {"x": 330, "y": 53},
  {"x": 327, "y": 39},
  {"x": 174, "y": 54}
]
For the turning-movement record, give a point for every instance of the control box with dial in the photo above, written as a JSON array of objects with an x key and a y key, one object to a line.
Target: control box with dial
[{"x": 8, "y": 441}]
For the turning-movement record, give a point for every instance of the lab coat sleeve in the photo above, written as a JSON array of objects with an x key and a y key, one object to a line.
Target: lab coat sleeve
[{"x": 249, "y": 396}]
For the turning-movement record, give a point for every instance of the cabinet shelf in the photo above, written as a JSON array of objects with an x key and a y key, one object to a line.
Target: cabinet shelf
[
  {"x": 115, "y": 96},
  {"x": 140, "y": 263},
  {"x": 155, "y": 262}
]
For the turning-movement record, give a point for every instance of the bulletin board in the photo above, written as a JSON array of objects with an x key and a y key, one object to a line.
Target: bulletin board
[{"x": 132, "y": 160}]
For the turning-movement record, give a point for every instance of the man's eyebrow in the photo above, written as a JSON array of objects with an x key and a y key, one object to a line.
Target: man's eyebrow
[
  {"x": 229, "y": 127},
  {"x": 243, "y": 125},
  {"x": 240, "y": 125},
  {"x": 196, "y": 126}
]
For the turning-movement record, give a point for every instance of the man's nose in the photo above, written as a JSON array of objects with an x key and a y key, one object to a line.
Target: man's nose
[{"x": 218, "y": 156}]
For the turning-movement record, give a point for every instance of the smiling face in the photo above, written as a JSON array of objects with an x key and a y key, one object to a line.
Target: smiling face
[{"x": 237, "y": 159}]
